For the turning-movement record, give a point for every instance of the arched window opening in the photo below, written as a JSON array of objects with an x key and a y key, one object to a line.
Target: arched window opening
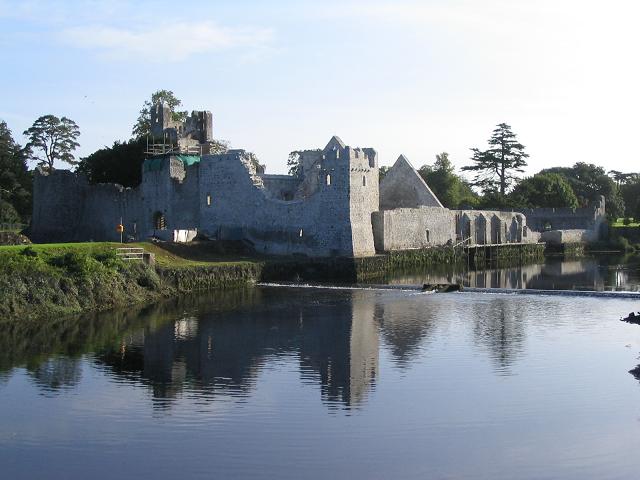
[
  {"x": 364, "y": 181},
  {"x": 300, "y": 233},
  {"x": 159, "y": 222},
  {"x": 328, "y": 179}
]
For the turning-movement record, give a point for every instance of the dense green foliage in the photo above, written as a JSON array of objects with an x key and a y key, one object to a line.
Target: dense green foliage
[
  {"x": 544, "y": 190},
  {"x": 36, "y": 282},
  {"x": 588, "y": 181},
  {"x": 15, "y": 180},
  {"x": 629, "y": 186},
  {"x": 121, "y": 163},
  {"x": 496, "y": 168},
  {"x": 52, "y": 138},
  {"x": 451, "y": 189}
]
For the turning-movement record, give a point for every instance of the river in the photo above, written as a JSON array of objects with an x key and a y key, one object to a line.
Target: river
[{"x": 290, "y": 383}]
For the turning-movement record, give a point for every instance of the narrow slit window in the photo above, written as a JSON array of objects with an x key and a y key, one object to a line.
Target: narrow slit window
[
  {"x": 300, "y": 233},
  {"x": 364, "y": 181},
  {"x": 328, "y": 179},
  {"x": 208, "y": 199}
]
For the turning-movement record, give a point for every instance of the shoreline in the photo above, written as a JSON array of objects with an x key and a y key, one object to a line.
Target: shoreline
[{"x": 63, "y": 279}]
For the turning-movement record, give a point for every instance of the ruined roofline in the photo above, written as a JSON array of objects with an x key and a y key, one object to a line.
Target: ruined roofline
[{"x": 403, "y": 168}]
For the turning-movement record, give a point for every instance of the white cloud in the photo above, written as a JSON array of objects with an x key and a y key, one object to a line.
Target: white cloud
[{"x": 167, "y": 42}]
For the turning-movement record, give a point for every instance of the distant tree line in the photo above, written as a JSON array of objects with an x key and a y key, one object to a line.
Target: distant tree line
[{"x": 497, "y": 182}]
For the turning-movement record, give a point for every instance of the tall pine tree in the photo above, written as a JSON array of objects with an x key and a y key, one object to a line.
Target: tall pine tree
[{"x": 496, "y": 168}]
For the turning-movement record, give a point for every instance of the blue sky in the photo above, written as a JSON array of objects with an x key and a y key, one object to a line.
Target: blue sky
[{"x": 403, "y": 77}]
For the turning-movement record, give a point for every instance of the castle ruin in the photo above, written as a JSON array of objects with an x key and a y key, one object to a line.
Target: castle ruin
[{"x": 334, "y": 205}]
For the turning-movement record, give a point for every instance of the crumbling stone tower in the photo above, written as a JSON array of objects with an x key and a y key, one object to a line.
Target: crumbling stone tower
[{"x": 195, "y": 131}]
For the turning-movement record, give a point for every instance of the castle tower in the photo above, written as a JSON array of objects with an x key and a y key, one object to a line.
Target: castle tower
[{"x": 352, "y": 173}]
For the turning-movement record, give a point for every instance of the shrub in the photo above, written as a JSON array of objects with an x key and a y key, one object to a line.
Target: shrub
[
  {"x": 626, "y": 222},
  {"x": 77, "y": 263}
]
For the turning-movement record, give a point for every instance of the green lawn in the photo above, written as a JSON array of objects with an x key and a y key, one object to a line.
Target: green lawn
[{"x": 167, "y": 255}]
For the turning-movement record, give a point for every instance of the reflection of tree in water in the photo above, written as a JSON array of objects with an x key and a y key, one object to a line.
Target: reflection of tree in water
[
  {"x": 499, "y": 326},
  {"x": 333, "y": 334},
  {"x": 552, "y": 274},
  {"x": 38, "y": 345},
  {"x": 405, "y": 326},
  {"x": 57, "y": 373}
]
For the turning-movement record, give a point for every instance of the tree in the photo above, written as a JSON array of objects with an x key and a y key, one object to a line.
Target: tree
[
  {"x": 15, "y": 180},
  {"x": 451, "y": 189},
  {"x": 588, "y": 182},
  {"x": 497, "y": 166},
  {"x": 630, "y": 190},
  {"x": 121, "y": 163},
  {"x": 142, "y": 127},
  {"x": 55, "y": 138},
  {"x": 544, "y": 190}
]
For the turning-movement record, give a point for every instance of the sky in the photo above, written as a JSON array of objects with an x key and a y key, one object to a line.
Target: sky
[{"x": 404, "y": 77}]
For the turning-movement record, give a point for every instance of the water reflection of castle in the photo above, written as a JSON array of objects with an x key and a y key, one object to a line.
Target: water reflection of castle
[
  {"x": 215, "y": 346},
  {"x": 222, "y": 353},
  {"x": 581, "y": 274}
]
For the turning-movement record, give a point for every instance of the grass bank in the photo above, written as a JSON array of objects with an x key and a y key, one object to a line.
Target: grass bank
[{"x": 61, "y": 279}]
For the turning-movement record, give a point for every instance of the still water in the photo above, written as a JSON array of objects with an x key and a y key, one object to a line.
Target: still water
[
  {"x": 596, "y": 273},
  {"x": 326, "y": 383}
]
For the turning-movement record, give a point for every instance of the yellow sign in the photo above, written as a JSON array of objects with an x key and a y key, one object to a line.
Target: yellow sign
[{"x": 120, "y": 228}]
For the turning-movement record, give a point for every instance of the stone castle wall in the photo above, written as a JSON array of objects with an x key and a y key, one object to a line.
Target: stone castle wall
[
  {"x": 335, "y": 207},
  {"x": 66, "y": 208},
  {"x": 407, "y": 228},
  {"x": 223, "y": 197}
]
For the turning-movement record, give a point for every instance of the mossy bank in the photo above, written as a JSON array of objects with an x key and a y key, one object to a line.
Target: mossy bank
[{"x": 51, "y": 280}]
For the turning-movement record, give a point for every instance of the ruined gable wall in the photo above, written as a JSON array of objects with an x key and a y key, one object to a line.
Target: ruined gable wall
[{"x": 402, "y": 187}]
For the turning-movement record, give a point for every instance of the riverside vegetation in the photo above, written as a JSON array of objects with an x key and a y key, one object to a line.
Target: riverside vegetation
[{"x": 59, "y": 279}]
